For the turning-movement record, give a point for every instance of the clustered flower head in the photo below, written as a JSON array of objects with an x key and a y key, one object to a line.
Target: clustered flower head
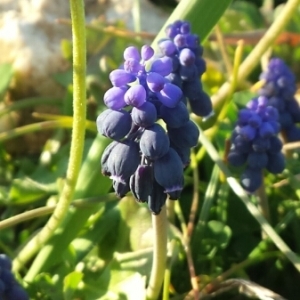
[
  {"x": 280, "y": 88},
  {"x": 254, "y": 143},
  {"x": 10, "y": 289},
  {"x": 144, "y": 158},
  {"x": 183, "y": 48}
]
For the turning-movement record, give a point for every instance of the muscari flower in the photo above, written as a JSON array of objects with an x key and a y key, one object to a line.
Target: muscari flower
[{"x": 144, "y": 158}]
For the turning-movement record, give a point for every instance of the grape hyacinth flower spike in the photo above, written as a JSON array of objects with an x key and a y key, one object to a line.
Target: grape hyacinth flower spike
[
  {"x": 144, "y": 158},
  {"x": 254, "y": 143}
]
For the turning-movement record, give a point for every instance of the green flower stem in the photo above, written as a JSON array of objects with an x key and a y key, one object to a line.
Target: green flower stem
[
  {"x": 29, "y": 102},
  {"x": 195, "y": 201},
  {"x": 47, "y": 210},
  {"x": 190, "y": 227},
  {"x": 160, "y": 230},
  {"x": 63, "y": 122},
  {"x": 263, "y": 204},
  {"x": 77, "y": 142},
  {"x": 262, "y": 46}
]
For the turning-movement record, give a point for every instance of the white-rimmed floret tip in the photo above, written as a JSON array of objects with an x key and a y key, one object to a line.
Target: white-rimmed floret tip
[{"x": 120, "y": 187}]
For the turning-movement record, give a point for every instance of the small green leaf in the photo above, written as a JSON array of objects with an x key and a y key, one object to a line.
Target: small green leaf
[
  {"x": 218, "y": 231},
  {"x": 71, "y": 282}
]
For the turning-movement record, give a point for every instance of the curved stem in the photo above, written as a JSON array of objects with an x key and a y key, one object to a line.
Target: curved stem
[
  {"x": 262, "y": 46},
  {"x": 77, "y": 142},
  {"x": 190, "y": 227},
  {"x": 160, "y": 229},
  {"x": 47, "y": 210}
]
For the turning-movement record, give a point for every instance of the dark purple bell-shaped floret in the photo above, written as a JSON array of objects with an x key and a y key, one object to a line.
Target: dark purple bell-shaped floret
[
  {"x": 236, "y": 158},
  {"x": 276, "y": 163},
  {"x": 202, "y": 106},
  {"x": 154, "y": 142},
  {"x": 168, "y": 172},
  {"x": 186, "y": 135},
  {"x": 175, "y": 117},
  {"x": 248, "y": 132},
  {"x": 251, "y": 179},
  {"x": 157, "y": 199},
  {"x": 123, "y": 160},
  {"x": 104, "y": 158},
  {"x": 240, "y": 144},
  {"x": 114, "y": 124},
  {"x": 257, "y": 160},
  {"x": 121, "y": 188},
  {"x": 145, "y": 115},
  {"x": 261, "y": 144},
  {"x": 266, "y": 130},
  {"x": 141, "y": 183}
]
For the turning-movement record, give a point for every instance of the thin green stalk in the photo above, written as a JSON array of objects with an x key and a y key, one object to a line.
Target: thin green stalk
[
  {"x": 167, "y": 276},
  {"x": 160, "y": 229},
  {"x": 195, "y": 201},
  {"x": 29, "y": 102},
  {"x": 46, "y": 210},
  {"x": 253, "y": 59},
  {"x": 209, "y": 196},
  {"x": 77, "y": 142},
  {"x": 263, "y": 204},
  {"x": 62, "y": 122}
]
